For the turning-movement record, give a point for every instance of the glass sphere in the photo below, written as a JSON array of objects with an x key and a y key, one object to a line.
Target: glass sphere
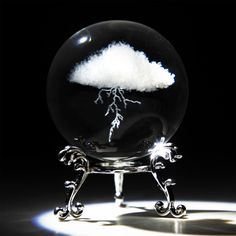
[{"x": 115, "y": 88}]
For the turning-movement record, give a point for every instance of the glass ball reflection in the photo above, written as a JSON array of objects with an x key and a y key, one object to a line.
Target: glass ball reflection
[{"x": 115, "y": 88}]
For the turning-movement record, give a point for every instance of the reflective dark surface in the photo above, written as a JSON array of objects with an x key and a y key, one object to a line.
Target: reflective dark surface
[
  {"x": 82, "y": 122},
  {"x": 204, "y": 218}
]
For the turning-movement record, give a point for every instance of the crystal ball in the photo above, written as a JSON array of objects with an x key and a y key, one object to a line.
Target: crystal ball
[{"x": 115, "y": 88}]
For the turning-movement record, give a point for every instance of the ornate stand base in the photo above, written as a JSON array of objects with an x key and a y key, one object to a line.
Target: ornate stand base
[{"x": 159, "y": 154}]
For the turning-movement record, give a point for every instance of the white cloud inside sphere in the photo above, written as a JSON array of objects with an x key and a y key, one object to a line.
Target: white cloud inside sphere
[{"x": 119, "y": 65}]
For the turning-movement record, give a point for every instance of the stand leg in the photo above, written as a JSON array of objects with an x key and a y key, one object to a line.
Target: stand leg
[
  {"x": 163, "y": 151},
  {"x": 165, "y": 186},
  {"x": 119, "y": 197},
  {"x": 73, "y": 155}
]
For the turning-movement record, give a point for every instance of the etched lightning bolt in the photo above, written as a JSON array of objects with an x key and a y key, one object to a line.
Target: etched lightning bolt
[{"x": 117, "y": 99}]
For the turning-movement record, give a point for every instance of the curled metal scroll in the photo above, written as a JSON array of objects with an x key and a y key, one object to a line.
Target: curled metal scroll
[
  {"x": 71, "y": 155},
  {"x": 160, "y": 153}
]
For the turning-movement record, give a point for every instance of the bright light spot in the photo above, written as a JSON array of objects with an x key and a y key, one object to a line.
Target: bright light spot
[
  {"x": 232, "y": 222},
  {"x": 139, "y": 219},
  {"x": 161, "y": 148},
  {"x": 83, "y": 39}
]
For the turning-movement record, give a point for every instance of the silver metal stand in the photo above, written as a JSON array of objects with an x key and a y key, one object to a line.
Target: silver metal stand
[{"x": 161, "y": 152}]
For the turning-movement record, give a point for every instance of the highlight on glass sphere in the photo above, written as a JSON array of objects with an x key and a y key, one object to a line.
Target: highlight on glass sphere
[{"x": 115, "y": 88}]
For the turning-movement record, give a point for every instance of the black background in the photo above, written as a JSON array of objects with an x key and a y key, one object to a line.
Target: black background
[{"x": 204, "y": 36}]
